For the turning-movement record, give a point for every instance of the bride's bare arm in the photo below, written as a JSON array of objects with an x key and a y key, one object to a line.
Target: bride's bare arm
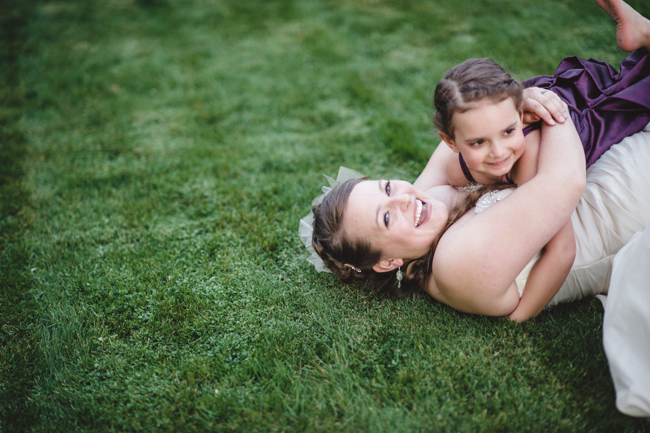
[{"x": 479, "y": 257}]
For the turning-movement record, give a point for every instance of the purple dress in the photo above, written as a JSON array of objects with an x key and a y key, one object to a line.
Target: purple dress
[{"x": 605, "y": 106}]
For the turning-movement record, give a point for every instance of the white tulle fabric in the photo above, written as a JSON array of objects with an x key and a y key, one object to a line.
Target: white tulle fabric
[{"x": 306, "y": 228}]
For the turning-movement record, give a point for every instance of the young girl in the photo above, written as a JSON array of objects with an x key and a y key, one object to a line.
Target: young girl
[{"x": 479, "y": 116}]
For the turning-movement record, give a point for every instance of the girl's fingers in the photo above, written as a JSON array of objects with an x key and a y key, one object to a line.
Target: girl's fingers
[
  {"x": 560, "y": 111},
  {"x": 545, "y": 104}
]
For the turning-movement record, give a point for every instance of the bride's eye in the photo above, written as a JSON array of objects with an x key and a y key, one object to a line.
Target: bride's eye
[
  {"x": 388, "y": 188},
  {"x": 386, "y": 219}
]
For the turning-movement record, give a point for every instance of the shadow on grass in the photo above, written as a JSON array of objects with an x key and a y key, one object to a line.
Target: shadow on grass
[
  {"x": 20, "y": 357},
  {"x": 569, "y": 341}
]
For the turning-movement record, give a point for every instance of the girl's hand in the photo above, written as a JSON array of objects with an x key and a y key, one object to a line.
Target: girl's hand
[{"x": 544, "y": 104}]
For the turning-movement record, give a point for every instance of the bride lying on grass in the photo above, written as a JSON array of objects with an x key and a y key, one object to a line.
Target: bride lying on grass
[{"x": 474, "y": 251}]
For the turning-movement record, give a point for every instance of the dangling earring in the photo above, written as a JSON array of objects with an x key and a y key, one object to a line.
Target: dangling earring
[{"x": 399, "y": 276}]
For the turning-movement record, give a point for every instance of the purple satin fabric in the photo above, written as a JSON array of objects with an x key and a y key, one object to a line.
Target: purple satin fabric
[{"x": 605, "y": 106}]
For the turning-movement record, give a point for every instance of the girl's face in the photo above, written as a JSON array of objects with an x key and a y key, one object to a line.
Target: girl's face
[
  {"x": 490, "y": 137},
  {"x": 394, "y": 217}
]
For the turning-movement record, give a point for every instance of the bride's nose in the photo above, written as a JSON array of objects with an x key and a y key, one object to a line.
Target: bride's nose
[{"x": 401, "y": 201}]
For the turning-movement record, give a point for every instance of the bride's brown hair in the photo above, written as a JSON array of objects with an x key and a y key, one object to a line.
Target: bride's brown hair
[{"x": 345, "y": 254}]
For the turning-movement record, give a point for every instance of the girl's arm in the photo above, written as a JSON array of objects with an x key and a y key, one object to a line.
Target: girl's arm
[
  {"x": 480, "y": 256},
  {"x": 548, "y": 274},
  {"x": 434, "y": 174},
  {"x": 454, "y": 171},
  {"x": 526, "y": 168}
]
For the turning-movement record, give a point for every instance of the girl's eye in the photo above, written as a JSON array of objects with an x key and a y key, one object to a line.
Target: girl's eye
[
  {"x": 478, "y": 142},
  {"x": 388, "y": 188},
  {"x": 386, "y": 219},
  {"x": 509, "y": 131}
]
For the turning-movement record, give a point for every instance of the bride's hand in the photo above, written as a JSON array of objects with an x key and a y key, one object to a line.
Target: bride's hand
[{"x": 543, "y": 104}]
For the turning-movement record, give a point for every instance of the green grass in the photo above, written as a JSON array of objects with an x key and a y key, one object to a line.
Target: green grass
[{"x": 156, "y": 158}]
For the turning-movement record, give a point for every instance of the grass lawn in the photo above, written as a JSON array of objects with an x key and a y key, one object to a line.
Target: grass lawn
[{"x": 156, "y": 158}]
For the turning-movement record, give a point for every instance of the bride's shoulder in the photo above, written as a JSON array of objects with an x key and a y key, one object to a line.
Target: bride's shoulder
[
  {"x": 452, "y": 248},
  {"x": 448, "y": 259},
  {"x": 447, "y": 194}
]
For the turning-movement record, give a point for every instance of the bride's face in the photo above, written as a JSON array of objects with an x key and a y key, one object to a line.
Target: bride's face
[{"x": 394, "y": 217}]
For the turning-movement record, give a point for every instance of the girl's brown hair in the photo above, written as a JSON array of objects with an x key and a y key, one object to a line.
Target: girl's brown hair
[
  {"x": 470, "y": 82},
  {"x": 342, "y": 251}
]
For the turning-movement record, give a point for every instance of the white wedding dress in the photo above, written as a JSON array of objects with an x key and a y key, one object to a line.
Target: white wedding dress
[{"x": 613, "y": 257}]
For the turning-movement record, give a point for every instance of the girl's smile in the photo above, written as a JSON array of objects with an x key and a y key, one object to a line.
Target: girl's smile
[{"x": 500, "y": 163}]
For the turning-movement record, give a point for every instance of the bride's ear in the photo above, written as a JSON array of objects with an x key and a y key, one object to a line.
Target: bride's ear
[
  {"x": 387, "y": 265},
  {"x": 449, "y": 141}
]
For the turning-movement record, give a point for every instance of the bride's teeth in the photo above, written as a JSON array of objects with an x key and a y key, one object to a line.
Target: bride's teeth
[{"x": 418, "y": 211}]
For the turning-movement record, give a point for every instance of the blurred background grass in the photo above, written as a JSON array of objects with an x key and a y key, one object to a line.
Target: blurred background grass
[{"x": 156, "y": 158}]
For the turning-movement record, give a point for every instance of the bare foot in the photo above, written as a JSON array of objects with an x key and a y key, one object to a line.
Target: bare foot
[{"x": 632, "y": 28}]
